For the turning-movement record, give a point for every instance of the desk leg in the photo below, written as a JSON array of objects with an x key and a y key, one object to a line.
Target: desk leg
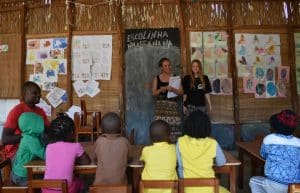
[
  {"x": 241, "y": 169},
  {"x": 232, "y": 177},
  {"x": 136, "y": 179},
  {"x": 30, "y": 174}
]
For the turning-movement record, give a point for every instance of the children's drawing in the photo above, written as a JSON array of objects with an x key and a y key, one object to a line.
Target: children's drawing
[
  {"x": 38, "y": 67},
  {"x": 282, "y": 89},
  {"x": 248, "y": 85},
  {"x": 221, "y": 38},
  {"x": 208, "y": 39},
  {"x": 284, "y": 73},
  {"x": 196, "y": 54},
  {"x": 259, "y": 73},
  {"x": 243, "y": 61},
  {"x": 260, "y": 90},
  {"x": 196, "y": 39},
  {"x": 56, "y": 53},
  {"x": 48, "y": 86},
  {"x": 270, "y": 74},
  {"x": 242, "y": 50},
  {"x": 216, "y": 86},
  {"x": 242, "y": 39},
  {"x": 271, "y": 89},
  {"x": 226, "y": 86},
  {"x": 42, "y": 54},
  {"x": 60, "y": 43},
  {"x": 46, "y": 43},
  {"x": 62, "y": 66},
  {"x": 33, "y": 44},
  {"x": 30, "y": 57}
]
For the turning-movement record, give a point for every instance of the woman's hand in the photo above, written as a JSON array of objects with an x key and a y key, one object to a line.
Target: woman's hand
[{"x": 185, "y": 111}]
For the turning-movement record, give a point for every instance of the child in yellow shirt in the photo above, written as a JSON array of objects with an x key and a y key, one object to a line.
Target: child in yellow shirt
[
  {"x": 196, "y": 151},
  {"x": 160, "y": 157}
]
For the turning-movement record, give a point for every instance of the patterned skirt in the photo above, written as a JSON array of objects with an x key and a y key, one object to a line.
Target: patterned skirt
[{"x": 168, "y": 111}]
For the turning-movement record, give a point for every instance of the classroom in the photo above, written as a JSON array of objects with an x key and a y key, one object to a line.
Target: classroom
[{"x": 93, "y": 57}]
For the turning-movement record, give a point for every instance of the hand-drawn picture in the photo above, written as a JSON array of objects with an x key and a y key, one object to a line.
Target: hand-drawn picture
[
  {"x": 33, "y": 44},
  {"x": 260, "y": 90},
  {"x": 226, "y": 86},
  {"x": 248, "y": 84},
  {"x": 271, "y": 89},
  {"x": 38, "y": 67},
  {"x": 196, "y": 39},
  {"x": 284, "y": 73},
  {"x": 196, "y": 54},
  {"x": 259, "y": 73},
  {"x": 216, "y": 85},
  {"x": 270, "y": 74},
  {"x": 60, "y": 43},
  {"x": 282, "y": 89}
]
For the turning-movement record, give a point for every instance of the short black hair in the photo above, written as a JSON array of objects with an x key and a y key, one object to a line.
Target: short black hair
[
  {"x": 111, "y": 123},
  {"x": 29, "y": 84},
  {"x": 197, "y": 125},
  {"x": 162, "y": 60},
  {"x": 160, "y": 131},
  {"x": 61, "y": 128}
]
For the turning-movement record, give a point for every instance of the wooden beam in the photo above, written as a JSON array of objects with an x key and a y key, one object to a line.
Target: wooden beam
[
  {"x": 183, "y": 37},
  {"x": 23, "y": 41}
]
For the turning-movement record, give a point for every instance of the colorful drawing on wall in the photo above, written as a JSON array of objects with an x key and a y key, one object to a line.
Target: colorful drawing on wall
[
  {"x": 46, "y": 43},
  {"x": 284, "y": 73},
  {"x": 226, "y": 86},
  {"x": 33, "y": 44},
  {"x": 271, "y": 89},
  {"x": 282, "y": 89},
  {"x": 248, "y": 84},
  {"x": 3, "y": 48},
  {"x": 62, "y": 66},
  {"x": 57, "y": 53},
  {"x": 260, "y": 89},
  {"x": 37, "y": 78},
  {"x": 259, "y": 73},
  {"x": 216, "y": 85},
  {"x": 196, "y": 53},
  {"x": 196, "y": 39},
  {"x": 270, "y": 74},
  {"x": 257, "y": 50},
  {"x": 212, "y": 50},
  {"x": 60, "y": 43},
  {"x": 38, "y": 67},
  {"x": 297, "y": 57}
]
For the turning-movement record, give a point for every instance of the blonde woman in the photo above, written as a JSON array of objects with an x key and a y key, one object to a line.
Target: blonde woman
[
  {"x": 166, "y": 108},
  {"x": 196, "y": 90}
]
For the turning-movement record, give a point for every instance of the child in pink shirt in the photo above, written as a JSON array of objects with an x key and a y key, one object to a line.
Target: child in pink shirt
[{"x": 62, "y": 154}]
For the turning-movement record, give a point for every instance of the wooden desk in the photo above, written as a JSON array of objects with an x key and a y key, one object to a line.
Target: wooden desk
[
  {"x": 252, "y": 150},
  {"x": 38, "y": 167}
]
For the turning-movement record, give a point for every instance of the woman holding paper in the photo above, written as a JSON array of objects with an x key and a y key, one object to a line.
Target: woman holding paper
[
  {"x": 196, "y": 90},
  {"x": 166, "y": 103}
]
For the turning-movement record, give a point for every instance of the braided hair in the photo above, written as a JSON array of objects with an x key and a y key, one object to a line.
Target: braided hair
[
  {"x": 197, "y": 125},
  {"x": 61, "y": 128}
]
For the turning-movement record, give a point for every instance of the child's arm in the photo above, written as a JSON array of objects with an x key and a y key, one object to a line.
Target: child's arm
[
  {"x": 84, "y": 159},
  {"x": 220, "y": 157},
  {"x": 263, "y": 151},
  {"x": 179, "y": 162}
]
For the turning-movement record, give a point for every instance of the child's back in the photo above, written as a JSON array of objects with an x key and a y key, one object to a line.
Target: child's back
[
  {"x": 32, "y": 126},
  {"x": 111, "y": 152},
  {"x": 196, "y": 152},
  {"x": 160, "y": 157},
  {"x": 281, "y": 150},
  {"x": 62, "y": 154}
]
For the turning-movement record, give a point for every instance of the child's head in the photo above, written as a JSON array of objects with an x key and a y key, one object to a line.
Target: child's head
[
  {"x": 31, "y": 124},
  {"x": 61, "y": 129},
  {"x": 111, "y": 123},
  {"x": 197, "y": 125},
  {"x": 284, "y": 122},
  {"x": 31, "y": 93},
  {"x": 160, "y": 131}
]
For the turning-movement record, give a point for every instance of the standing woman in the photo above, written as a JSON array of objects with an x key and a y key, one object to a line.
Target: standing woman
[
  {"x": 167, "y": 108},
  {"x": 196, "y": 90}
]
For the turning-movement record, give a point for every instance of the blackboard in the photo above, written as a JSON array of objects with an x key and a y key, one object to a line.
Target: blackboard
[{"x": 141, "y": 64}]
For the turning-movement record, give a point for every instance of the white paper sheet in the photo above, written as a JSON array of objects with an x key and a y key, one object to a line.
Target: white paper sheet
[
  {"x": 72, "y": 110},
  {"x": 55, "y": 96},
  {"x": 174, "y": 81},
  {"x": 45, "y": 106},
  {"x": 79, "y": 87}
]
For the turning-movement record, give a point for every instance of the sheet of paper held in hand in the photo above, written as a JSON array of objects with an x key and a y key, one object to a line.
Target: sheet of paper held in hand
[{"x": 174, "y": 82}]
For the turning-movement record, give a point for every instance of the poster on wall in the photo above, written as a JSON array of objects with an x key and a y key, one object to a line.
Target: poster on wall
[
  {"x": 91, "y": 57},
  {"x": 297, "y": 58},
  {"x": 48, "y": 59},
  {"x": 256, "y": 50},
  {"x": 212, "y": 51}
]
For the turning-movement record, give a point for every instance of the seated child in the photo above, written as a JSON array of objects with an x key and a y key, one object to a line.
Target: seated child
[
  {"x": 32, "y": 126},
  {"x": 281, "y": 150},
  {"x": 111, "y": 152},
  {"x": 62, "y": 154},
  {"x": 196, "y": 151},
  {"x": 160, "y": 157}
]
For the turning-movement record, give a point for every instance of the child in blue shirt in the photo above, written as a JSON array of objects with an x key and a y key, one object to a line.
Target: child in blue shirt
[{"x": 281, "y": 150}]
